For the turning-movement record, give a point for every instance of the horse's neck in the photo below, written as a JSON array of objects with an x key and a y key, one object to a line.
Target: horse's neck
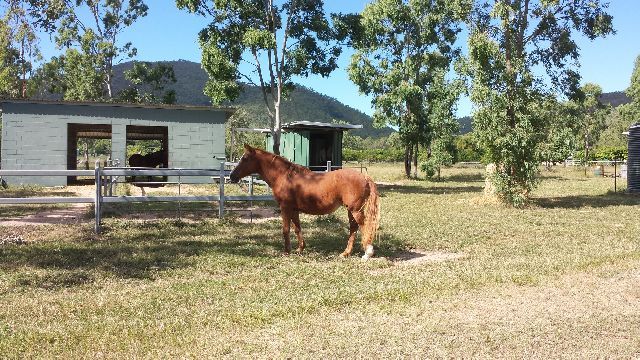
[{"x": 273, "y": 168}]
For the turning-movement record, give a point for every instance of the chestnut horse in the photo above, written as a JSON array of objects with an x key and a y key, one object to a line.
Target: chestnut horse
[{"x": 298, "y": 189}]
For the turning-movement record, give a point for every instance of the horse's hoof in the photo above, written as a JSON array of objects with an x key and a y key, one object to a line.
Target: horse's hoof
[
  {"x": 344, "y": 255},
  {"x": 365, "y": 257},
  {"x": 369, "y": 250}
]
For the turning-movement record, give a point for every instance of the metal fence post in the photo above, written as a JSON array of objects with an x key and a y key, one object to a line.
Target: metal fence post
[
  {"x": 221, "y": 192},
  {"x": 251, "y": 190},
  {"x": 98, "y": 200},
  {"x": 615, "y": 176},
  {"x": 328, "y": 165}
]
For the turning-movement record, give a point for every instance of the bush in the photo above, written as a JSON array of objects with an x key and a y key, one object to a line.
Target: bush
[
  {"x": 604, "y": 153},
  {"x": 429, "y": 168}
]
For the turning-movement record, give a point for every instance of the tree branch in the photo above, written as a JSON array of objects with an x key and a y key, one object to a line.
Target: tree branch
[{"x": 262, "y": 85}]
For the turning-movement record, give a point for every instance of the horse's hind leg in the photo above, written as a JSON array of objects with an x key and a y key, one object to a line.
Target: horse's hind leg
[
  {"x": 353, "y": 228},
  {"x": 295, "y": 218}
]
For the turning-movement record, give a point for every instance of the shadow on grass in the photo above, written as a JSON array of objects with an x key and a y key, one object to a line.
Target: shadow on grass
[
  {"x": 475, "y": 177},
  {"x": 595, "y": 201},
  {"x": 328, "y": 237},
  {"x": 144, "y": 250},
  {"x": 432, "y": 190}
]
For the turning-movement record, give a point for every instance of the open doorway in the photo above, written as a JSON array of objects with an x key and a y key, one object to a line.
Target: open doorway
[
  {"x": 87, "y": 143},
  {"x": 148, "y": 146},
  {"x": 320, "y": 150}
]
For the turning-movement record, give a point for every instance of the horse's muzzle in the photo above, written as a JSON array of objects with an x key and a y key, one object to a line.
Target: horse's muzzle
[{"x": 234, "y": 178}]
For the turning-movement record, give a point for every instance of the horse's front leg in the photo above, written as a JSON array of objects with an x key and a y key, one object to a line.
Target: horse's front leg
[
  {"x": 286, "y": 223},
  {"x": 296, "y": 227}
]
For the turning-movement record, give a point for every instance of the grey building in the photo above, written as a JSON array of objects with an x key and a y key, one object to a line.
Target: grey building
[{"x": 43, "y": 135}]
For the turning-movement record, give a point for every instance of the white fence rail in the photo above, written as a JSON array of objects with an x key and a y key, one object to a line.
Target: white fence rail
[{"x": 104, "y": 179}]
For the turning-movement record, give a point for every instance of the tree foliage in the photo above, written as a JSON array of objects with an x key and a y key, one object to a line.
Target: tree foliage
[
  {"x": 20, "y": 22},
  {"x": 509, "y": 39},
  {"x": 630, "y": 113},
  {"x": 148, "y": 84},
  {"x": 10, "y": 70},
  {"x": 404, "y": 50},
  {"x": 276, "y": 41},
  {"x": 93, "y": 47},
  {"x": 591, "y": 116}
]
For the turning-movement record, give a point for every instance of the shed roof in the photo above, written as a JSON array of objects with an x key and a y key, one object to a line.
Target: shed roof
[
  {"x": 229, "y": 110},
  {"x": 318, "y": 125},
  {"x": 170, "y": 113}
]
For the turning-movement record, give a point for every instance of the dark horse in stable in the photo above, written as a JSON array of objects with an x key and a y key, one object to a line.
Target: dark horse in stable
[
  {"x": 150, "y": 160},
  {"x": 298, "y": 189}
]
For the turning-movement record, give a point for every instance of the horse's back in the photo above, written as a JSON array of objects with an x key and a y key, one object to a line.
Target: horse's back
[
  {"x": 323, "y": 193},
  {"x": 136, "y": 160}
]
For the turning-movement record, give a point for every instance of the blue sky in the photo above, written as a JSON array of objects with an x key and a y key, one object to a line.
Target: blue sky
[{"x": 170, "y": 34}]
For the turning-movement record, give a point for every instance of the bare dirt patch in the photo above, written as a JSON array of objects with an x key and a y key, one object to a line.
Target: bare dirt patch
[
  {"x": 416, "y": 257},
  {"x": 256, "y": 215},
  {"x": 74, "y": 214}
]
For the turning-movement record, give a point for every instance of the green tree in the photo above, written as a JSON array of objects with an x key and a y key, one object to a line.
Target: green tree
[
  {"x": 19, "y": 24},
  {"x": 467, "y": 148},
  {"x": 561, "y": 131},
  {"x": 9, "y": 69},
  {"x": 76, "y": 74},
  {"x": 592, "y": 115},
  {"x": 442, "y": 149},
  {"x": 403, "y": 51},
  {"x": 149, "y": 84},
  {"x": 276, "y": 41},
  {"x": 235, "y": 139},
  {"x": 509, "y": 39},
  {"x": 615, "y": 125},
  {"x": 85, "y": 71},
  {"x": 631, "y": 112}
]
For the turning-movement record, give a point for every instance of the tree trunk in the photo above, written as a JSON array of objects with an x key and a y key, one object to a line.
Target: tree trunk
[
  {"x": 86, "y": 155},
  {"x": 407, "y": 160},
  {"x": 415, "y": 162},
  {"x": 586, "y": 153},
  {"x": 277, "y": 129},
  {"x": 24, "y": 70}
]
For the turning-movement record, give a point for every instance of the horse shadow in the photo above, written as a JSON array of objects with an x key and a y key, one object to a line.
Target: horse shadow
[
  {"x": 332, "y": 243},
  {"x": 151, "y": 250}
]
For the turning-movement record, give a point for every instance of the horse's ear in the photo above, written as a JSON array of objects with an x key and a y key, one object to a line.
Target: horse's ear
[{"x": 248, "y": 148}]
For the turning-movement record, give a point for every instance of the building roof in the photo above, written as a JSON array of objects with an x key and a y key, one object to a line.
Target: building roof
[
  {"x": 318, "y": 125},
  {"x": 151, "y": 112},
  {"x": 228, "y": 110},
  {"x": 303, "y": 125}
]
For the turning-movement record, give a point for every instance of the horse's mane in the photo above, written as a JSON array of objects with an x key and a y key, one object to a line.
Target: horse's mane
[{"x": 289, "y": 165}]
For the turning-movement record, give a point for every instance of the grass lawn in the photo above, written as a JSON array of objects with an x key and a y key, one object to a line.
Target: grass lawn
[{"x": 560, "y": 278}]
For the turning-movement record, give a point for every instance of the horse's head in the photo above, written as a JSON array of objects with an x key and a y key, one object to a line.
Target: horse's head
[{"x": 249, "y": 164}]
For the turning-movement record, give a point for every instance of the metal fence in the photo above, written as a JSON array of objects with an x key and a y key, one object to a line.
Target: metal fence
[{"x": 105, "y": 178}]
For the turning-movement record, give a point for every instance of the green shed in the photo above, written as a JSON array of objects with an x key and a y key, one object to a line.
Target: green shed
[{"x": 312, "y": 144}]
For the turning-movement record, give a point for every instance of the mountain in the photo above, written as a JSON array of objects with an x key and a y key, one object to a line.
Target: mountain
[
  {"x": 304, "y": 104},
  {"x": 615, "y": 98}
]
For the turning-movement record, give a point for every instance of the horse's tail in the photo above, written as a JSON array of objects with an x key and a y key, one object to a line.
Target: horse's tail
[{"x": 371, "y": 212}]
